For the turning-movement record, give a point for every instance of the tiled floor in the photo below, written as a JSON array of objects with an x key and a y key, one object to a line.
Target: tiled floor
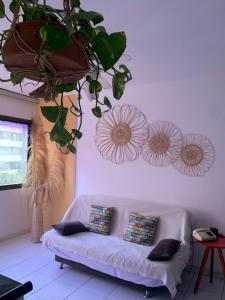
[{"x": 23, "y": 261}]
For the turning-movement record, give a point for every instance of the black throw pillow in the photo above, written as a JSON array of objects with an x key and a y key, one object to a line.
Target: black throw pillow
[
  {"x": 164, "y": 250},
  {"x": 68, "y": 228}
]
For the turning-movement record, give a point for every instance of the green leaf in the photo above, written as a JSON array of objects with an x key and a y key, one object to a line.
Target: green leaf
[
  {"x": 92, "y": 87},
  {"x": 109, "y": 48},
  {"x": 62, "y": 143},
  {"x": 89, "y": 16},
  {"x": 52, "y": 17},
  {"x": 77, "y": 133},
  {"x": 38, "y": 14},
  {"x": 71, "y": 148},
  {"x": 118, "y": 41},
  {"x": 58, "y": 131},
  {"x": 100, "y": 29},
  {"x": 126, "y": 71},
  {"x": 88, "y": 78},
  {"x": 88, "y": 32},
  {"x": 65, "y": 137},
  {"x": 53, "y": 113},
  {"x": 107, "y": 102},
  {"x": 60, "y": 135},
  {"x": 95, "y": 87},
  {"x": 55, "y": 133},
  {"x": 61, "y": 88},
  {"x": 55, "y": 37},
  {"x": 28, "y": 11},
  {"x": 2, "y": 9},
  {"x": 50, "y": 112},
  {"x": 75, "y": 3},
  {"x": 13, "y": 6},
  {"x": 16, "y": 78},
  {"x": 97, "y": 111},
  {"x": 61, "y": 119},
  {"x": 118, "y": 85}
]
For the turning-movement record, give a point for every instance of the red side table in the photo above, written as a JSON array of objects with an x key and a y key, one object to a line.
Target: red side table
[{"x": 219, "y": 244}]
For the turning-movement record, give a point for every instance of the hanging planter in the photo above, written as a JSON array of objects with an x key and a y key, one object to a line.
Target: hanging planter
[
  {"x": 66, "y": 50},
  {"x": 21, "y": 54}
]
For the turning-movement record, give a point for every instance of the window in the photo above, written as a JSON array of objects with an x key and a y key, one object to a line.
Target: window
[{"x": 14, "y": 134}]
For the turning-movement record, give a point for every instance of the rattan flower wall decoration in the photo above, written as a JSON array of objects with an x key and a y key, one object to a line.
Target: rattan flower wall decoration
[
  {"x": 197, "y": 155},
  {"x": 120, "y": 133},
  {"x": 163, "y": 144}
]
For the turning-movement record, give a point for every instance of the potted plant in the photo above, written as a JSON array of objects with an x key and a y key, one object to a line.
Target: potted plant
[{"x": 67, "y": 50}]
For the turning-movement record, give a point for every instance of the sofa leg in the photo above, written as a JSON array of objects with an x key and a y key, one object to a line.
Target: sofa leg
[
  {"x": 147, "y": 294},
  {"x": 61, "y": 266}
]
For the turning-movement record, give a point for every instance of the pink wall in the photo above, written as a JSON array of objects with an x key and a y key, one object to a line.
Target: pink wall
[{"x": 195, "y": 106}]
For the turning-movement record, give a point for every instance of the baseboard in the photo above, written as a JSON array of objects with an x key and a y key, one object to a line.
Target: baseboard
[{"x": 14, "y": 235}]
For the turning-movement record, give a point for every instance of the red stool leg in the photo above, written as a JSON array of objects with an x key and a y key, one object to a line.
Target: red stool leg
[
  {"x": 211, "y": 265},
  {"x": 201, "y": 270},
  {"x": 221, "y": 260}
]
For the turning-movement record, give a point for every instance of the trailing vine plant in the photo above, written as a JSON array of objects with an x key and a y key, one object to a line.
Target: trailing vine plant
[{"x": 59, "y": 30}]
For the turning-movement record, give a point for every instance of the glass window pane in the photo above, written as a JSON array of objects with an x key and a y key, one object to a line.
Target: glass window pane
[{"x": 13, "y": 152}]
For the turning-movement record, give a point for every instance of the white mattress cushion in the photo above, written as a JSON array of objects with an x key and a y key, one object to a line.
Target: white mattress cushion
[
  {"x": 126, "y": 256},
  {"x": 113, "y": 251}
]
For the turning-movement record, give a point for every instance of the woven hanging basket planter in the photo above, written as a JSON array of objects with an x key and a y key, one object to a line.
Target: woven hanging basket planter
[
  {"x": 60, "y": 48},
  {"x": 21, "y": 54}
]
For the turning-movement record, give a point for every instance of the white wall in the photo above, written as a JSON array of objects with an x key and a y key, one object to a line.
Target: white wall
[
  {"x": 178, "y": 68},
  {"x": 195, "y": 106},
  {"x": 14, "y": 216}
]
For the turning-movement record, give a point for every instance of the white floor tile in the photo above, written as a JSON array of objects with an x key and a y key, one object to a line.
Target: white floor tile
[
  {"x": 202, "y": 296},
  {"x": 52, "y": 270},
  {"x": 74, "y": 278},
  {"x": 22, "y": 260},
  {"x": 55, "y": 291},
  {"x": 126, "y": 292},
  {"x": 16, "y": 257},
  {"x": 100, "y": 286},
  {"x": 28, "y": 266},
  {"x": 9, "y": 261},
  {"x": 83, "y": 294},
  {"x": 162, "y": 293},
  {"x": 206, "y": 287},
  {"x": 33, "y": 297},
  {"x": 38, "y": 280}
]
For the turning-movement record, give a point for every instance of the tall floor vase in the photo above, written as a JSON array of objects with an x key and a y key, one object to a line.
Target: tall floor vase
[{"x": 37, "y": 223}]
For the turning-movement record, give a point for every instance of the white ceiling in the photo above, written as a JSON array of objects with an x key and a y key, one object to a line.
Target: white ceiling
[{"x": 167, "y": 40}]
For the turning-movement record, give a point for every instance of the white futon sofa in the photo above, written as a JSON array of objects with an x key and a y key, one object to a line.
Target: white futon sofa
[{"x": 114, "y": 256}]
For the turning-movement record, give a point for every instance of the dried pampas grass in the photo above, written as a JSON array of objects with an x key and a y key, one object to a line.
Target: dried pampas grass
[{"x": 43, "y": 180}]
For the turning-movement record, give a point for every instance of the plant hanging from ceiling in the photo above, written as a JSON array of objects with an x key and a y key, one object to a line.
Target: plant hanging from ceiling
[{"x": 67, "y": 50}]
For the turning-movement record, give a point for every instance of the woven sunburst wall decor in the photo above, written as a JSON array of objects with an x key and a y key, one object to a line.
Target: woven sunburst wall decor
[
  {"x": 120, "y": 133},
  {"x": 197, "y": 155},
  {"x": 163, "y": 144}
]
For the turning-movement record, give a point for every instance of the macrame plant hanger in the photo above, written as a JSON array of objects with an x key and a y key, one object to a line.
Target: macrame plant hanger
[{"x": 41, "y": 66}]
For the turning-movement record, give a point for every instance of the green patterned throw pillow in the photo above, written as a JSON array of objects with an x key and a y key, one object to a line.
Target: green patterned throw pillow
[
  {"x": 141, "y": 229},
  {"x": 100, "y": 219}
]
